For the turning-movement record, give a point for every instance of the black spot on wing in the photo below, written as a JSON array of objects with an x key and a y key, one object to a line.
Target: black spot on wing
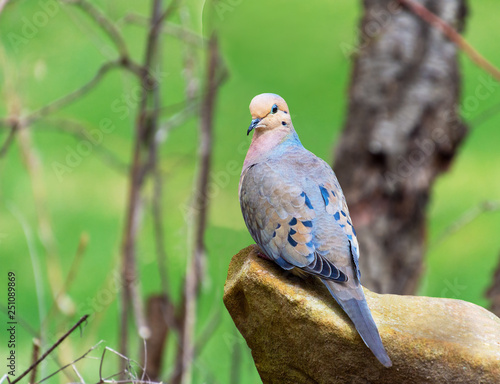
[
  {"x": 293, "y": 221},
  {"x": 292, "y": 242},
  {"x": 307, "y": 223}
]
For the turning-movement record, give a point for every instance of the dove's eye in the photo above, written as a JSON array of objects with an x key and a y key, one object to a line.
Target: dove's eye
[{"x": 274, "y": 109}]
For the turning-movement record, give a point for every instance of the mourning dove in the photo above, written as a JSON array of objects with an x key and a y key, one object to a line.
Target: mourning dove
[{"x": 296, "y": 212}]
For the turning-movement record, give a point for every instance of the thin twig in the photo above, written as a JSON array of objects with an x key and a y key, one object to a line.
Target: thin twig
[
  {"x": 235, "y": 373},
  {"x": 34, "y": 357},
  {"x": 49, "y": 351},
  {"x": 453, "y": 35},
  {"x": 45, "y": 227},
  {"x": 82, "y": 381},
  {"x": 106, "y": 25},
  {"x": 465, "y": 219},
  {"x": 205, "y": 151},
  {"x": 70, "y": 364},
  {"x": 70, "y": 277},
  {"x": 77, "y": 130},
  {"x": 146, "y": 127},
  {"x": 184, "y": 34},
  {"x": 169, "y": 11},
  {"x": 10, "y": 139},
  {"x": 192, "y": 83},
  {"x": 161, "y": 254},
  {"x": 16, "y": 125},
  {"x": 208, "y": 332},
  {"x": 484, "y": 116},
  {"x": 194, "y": 267},
  {"x": 71, "y": 97},
  {"x": 101, "y": 363}
]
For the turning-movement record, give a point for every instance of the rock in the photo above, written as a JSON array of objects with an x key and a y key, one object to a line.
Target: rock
[{"x": 298, "y": 334}]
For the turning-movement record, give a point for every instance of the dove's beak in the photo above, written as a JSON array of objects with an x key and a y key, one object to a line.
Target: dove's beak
[{"x": 255, "y": 122}]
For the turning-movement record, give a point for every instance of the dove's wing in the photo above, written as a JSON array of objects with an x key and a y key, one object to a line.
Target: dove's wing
[{"x": 297, "y": 221}]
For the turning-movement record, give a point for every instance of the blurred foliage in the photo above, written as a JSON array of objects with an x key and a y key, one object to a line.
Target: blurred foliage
[{"x": 288, "y": 47}]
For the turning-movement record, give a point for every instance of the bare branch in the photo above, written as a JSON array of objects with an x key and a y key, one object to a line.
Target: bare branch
[
  {"x": 205, "y": 151},
  {"x": 106, "y": 25},
  {"x": 82, "y": 381},
  {"x": 49, "y": 351},
  {"x": 467, "y": 218},
  {"x": 180, "y": 32},
  {"x": 453, "y": 35},
  {"x": 10, "y": 139},
  {"x": 194, "y": 266},
  {"x": 160, "y": 311},
  {"x": 157, "y": 211},
  {"x": 82, "y": 246},
  {"x": 235, "y": 374},
  {"x": 169, "y": 11},
  {"x": 70, "y": 364},
  {"x": 146, "y": 127},
  {"x": 484, "y": 116},
  {"x": 190, "y": 60},
  {"x": 34, "y": 358},
  {"x": 45, "y": 228},
  {"x": 16, "y": 125},
  {"x": 70, "y": 98},
  {"x": 77, "y": 129},
  {"x": 208, "y": 332}
]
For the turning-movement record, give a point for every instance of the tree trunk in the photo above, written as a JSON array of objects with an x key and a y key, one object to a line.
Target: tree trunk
[{"x": 402, "y": 130}]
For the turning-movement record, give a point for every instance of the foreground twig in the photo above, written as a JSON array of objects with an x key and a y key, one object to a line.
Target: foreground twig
[
  {"x": 49, "y": 351},
  {"x": 453, "y": 35},
  {"x": 34, "y": 358},
  {"x": 72, "y": 364}
]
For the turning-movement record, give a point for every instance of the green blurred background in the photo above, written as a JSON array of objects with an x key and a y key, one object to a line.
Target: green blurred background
[{"x": 292, "y": 48}]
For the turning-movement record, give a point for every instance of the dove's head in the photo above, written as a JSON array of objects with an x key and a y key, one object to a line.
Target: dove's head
[{"x": 269, "y": 112}]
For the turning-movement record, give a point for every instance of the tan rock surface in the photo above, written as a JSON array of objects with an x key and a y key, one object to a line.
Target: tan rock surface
[{"x": 298, "y": 334}]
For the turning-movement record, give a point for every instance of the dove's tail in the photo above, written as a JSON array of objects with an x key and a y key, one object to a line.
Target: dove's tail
[{"x": 360, "y": 314}]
